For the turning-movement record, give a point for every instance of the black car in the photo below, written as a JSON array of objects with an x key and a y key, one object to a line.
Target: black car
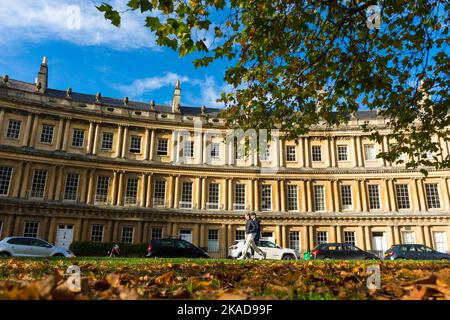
[
  {"x": 340, "y": 251},
  {"x": 174, "y": 248},
  {"x": 414, "y": 252}
]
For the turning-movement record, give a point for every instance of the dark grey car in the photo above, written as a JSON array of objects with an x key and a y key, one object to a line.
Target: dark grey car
[
  {"x": 341, "y": 251},
  {"x": 414, "y": 252}
]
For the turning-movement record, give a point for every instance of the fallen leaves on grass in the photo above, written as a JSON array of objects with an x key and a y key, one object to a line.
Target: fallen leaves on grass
[{"x": 28, "y": 279}]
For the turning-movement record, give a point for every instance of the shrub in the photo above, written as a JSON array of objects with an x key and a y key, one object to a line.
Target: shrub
[{"x": 101, "y": 249}]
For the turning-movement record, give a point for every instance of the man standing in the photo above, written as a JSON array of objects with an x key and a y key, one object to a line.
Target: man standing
[{"x": 250, "y": 232}]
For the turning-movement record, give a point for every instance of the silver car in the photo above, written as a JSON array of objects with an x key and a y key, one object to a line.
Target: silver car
[{"x": 31, "y": 247}]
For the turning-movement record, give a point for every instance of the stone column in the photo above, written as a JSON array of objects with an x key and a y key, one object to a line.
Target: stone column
[
  {"x": 336, "y": 195},
  {"x": 170, "y": 191},
  {"x": 307, "y": 153},
  {"x": 138, "y": 238},
  {"x": 330, "y": 201},
  {"x": 125, "y": 142},
  {"x": 446, "y": 195},
  {"x": 250, "y": 195},
  {"x": 385, "y": 146},
  {"x": 51, "y": 183},
  {"x": 282, "y": 146},
  {"x": 152, "y": 145},
  {"x": 304, "y": 239},
  {"x": 367, "y": 237},
  {"x": 301, "y": 154},
  {"x": 96, "y": 133},
  {"x": 230, "y": 194},
  {"x": 333, "y": 235},
  {"x": 114, "y": 188},
  {"x": 427, "y": 236},
  {"x": 146, "y": 143},
  {"x": 328, "y": 159},
  {"x": 26, "y": 135},
  {"x": 358, "y": 152},
  {"x": 17, "y": 179},
  {"x": 90, "y": 139},
  {"x": 175, "y": 191},
  {"x": 386, "y": 197},
  {"x": 282, "y": 189},
  {"x": 83, "y": 179},
  {"x": 174, "y": 144},
  {"x": 304, "y": 202},
  {"x": 365, "y": 206},
  {"x": 357, "y": 193},
  {"x": 65, "y": 141},
  {"x": 392, "y": 194},
  {"x": 25, "y": 179},
  {"x": 355, "y": 154},
  {"x": 422, "y": 196},
  {"x": 119, "y": 142},
  {"x": 148, "y": 202},
  {"x": 203, "y": 195},
  {"x": 143, "y": 191},
  {"x": 34, "y": 131},
  {"x": 415, "y": 194},
  {"x": 338, "y": 234},
  {"x": 229, "y": 235},
  {"x": 59, "y": 134},
  {"x": 120, "y": 190},
  {"x": 2, "y": 118},
  {"x": 178, "y": 149},
  {"x": 257, "y": 196},
  {"x": 90, "y": 192},
  {"x": 52, "y": 231},
  {"x": 199, "y": 188},
  {"x": 284, "y": 236},
  {"x": 333, "y": 151},
  {"x": 309, "y": 195},
  {"x": 202, "y": 235},
  {"x": 278, "y": 235},
  {"x": 224, "y": 200},
  {"x": 311, "y": 233},
  {"x": 223, "y": 241},
  {"x": 59, "y": 183}
]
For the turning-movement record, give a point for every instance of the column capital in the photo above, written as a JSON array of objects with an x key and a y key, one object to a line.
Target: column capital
[
  {"x": 387, "y": 179},
  {"x": 360, "y": 179},
  {"x": 416, "y": 178},
  {"x": 67, "y": 117}
]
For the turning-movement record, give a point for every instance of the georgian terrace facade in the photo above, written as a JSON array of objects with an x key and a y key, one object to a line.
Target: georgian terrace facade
[{"x": 83, "y": 167}]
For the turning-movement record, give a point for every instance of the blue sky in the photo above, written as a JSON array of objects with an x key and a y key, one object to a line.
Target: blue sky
[{"x": 88, "y": 54}]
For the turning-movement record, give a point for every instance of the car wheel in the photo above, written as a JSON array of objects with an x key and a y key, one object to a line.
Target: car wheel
[
  {"x": 444, "y": 259},
  {"x": 327, "y": 258},
  {"x": 5, "y": 254},
  {"x": 288, "y": 257},
  {"x": 59, "y": 255}
]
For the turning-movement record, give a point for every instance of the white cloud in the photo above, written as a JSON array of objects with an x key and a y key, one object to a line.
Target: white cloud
[
  {"x": 141, "y": 86},
  {"x": 31, "y": 20},
  {"x": 195, "y": 92}
]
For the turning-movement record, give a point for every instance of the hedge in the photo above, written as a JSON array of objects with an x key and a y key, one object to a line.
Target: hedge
[{"x": 101, "y": 249}]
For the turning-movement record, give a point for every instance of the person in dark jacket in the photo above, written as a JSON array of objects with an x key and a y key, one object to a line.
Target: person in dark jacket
[{"x": 250, "y": 232}]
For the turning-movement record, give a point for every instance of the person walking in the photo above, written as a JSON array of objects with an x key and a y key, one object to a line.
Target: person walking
[{"x": 250, "y": 232}]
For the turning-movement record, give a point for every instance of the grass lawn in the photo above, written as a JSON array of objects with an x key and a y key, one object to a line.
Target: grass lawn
[{"x": 140, "y": 278}]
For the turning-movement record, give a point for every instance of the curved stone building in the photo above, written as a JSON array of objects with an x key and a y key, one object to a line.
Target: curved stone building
[{"x": 86, "y": 167}]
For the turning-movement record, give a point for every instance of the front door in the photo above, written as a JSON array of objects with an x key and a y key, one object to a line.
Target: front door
[
  {"x": 64, "y": 235},
  {"x": 185, "y": 234},
  {"x": 379, "y": 241}
]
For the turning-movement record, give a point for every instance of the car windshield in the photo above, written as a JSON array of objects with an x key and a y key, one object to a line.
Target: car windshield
[
  {"x": 267, "y": 244},
  {"x": 183, "y": 244}
]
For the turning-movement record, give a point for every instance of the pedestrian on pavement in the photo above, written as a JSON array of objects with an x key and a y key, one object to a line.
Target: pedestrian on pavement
[{"x": 250, "y": 233}]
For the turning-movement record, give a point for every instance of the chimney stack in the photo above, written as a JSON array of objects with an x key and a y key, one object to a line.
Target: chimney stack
[
  {"x": 42, "y": 77},
  {"x": 176, "y": 101}
]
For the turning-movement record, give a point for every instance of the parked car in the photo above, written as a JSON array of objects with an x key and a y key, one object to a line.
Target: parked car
[
  {"x": 340, "y": 251},
  {"x": 272, "y": 250},
  {"x": 174, "y": 248},
  {"x": 31, "y": 247},
  {"x": 414, "y": 252}
]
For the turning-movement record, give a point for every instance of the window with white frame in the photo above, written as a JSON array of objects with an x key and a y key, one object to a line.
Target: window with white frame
[
  {"x": 342, "y": 152},
  {"x": 440, "y": 241},
  {"x": 77, "y": 138},
  {"x": 319, "y": 198},
  {"x": 186, "y": 195},
  {"x": 402, "y": 196},
  {"x": 159, "y": 193},
  {"x": 239, "y": 196},
  {"x": 101, "y": 191},
  {"x": 291, "y": 153},
  {"x": 38, "y": 184},
  {"x": 131, "y": 191},
  {"x": 157, "y": 233},
  {"x": 71, "y": 188},
  {"x": 370, "y": 152},
  {"x": 188, "y": 151},
  {"x": 13, "y": 131},
  {"x": 135, "y": 145},
  {"x": 5, "y": 180},
  {"x": 408, "y": 237},
  {"x": 349, "y": 237},
  {"x": 107, "y": 140},
  {"x": 97, "y": 232},
  {"x": 265, "y": 153},
  {"x": 127, "y": 234},
  {"x": 30, "y": 229},
  {"x": 239, "y": 235},
  {"x": 213, "y": 196},
  {"x": 374, "y": 196},
  {"x": 163, "y": 147},
  {"x": 215, "y": 150},
  {"x": 321, "y": 237},
  {"x": 433, "y": 198},
  {"x": 47, "y": 133},
  {"x": 266, "y": 197},
  {"x": 213, "y": 240},
  {"x": 316, "y": 153},
  {"x": 346, "y": 197},
  {"x": 294, "y": 240},
  {"x": 292, "y": 197}
]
